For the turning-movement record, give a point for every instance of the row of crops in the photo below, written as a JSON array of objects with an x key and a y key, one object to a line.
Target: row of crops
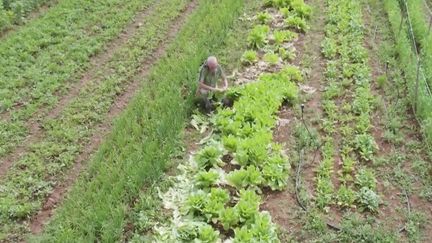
[
  {"x": 14, "y": 11},
  {"x": 32, "y": 178},
  {"x": 347, "y": 105},
  {"x": 416, "y": 24},
  {"x": 42, "y": 60},
  {"x": 143, "y": 138},
  {"x": 218, "y": 192}
]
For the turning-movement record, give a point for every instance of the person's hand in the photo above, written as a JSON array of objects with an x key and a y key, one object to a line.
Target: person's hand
[{"x": 223, "y": 89}]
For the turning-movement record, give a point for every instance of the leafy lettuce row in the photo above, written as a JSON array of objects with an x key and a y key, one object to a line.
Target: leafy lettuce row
[{"x": 212, "y": 202}]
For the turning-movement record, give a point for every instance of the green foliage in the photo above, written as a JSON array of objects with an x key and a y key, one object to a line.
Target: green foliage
[
  {"x": 275, "y": 172},
  {"x": 264, "y": 18},
  {"x": 365, "y": 144},
  {"x": 229, "y": 217},
  {"x": 207, "y": 234},
  {"x": 205, "y": 179},
  {"x": 143, "y": 138},
  {"x": 282, "y": 36},
  {"x": 329, "y": 48},
  {"x": 296, "y": 23},
  {"x": 243, "y": 178},
  {"x": 368, "y": 199},
  {"x": 287, "y": 54},
  {"x": 258, "y": 36},
  {"x": 301, "y": 9},
  {"x": 381, "y": 81},
  {"x": 230, "y": 143},
  {"x": 356, "y": 229},
  {"x": 209, "y": 157},
  {"x": 366, "y": 178},
  {"x": 271, "y": 58},
  {"x": 345, "y": 196},
  {"x": 249, "y": 57}
]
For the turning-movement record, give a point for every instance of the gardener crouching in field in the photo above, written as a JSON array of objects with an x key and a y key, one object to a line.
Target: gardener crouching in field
[{"x": 208, "y": 90}]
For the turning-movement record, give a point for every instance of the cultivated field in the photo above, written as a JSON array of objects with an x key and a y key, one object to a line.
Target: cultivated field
[{"x": 327, "y": 138}]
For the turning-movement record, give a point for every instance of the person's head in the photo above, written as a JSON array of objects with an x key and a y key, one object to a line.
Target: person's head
[{"x": 212, "y": 63}]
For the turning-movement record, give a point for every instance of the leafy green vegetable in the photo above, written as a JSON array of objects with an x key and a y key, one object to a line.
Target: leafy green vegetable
[
  {"x": 209, "y": 157},
  {"x": 229, "y": 217},
  {"x": 258, "y": 36},
  {"x": 368, "y": 199},
  {"x": 205, "y": 179},
  {"x": 244, "y": 178},
  {"x": 249, "y": 57},
  {"x": 264, "y": 18},
  {"x": 271, "y": 58}
]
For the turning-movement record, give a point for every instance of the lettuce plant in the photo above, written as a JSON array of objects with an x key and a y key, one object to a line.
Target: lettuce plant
[
  {"x": 229, "y": 217},
  {"x": 258, "y": 36},
  {"x": 249, "y": 57},
  {"x": 209, "y": 157},
  {"x": 205, "y": 179},
  {"x": 264, "y": 18}
]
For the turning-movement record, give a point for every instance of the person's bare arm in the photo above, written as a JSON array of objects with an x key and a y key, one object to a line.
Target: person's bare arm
[{"x": 206, "y": 87}]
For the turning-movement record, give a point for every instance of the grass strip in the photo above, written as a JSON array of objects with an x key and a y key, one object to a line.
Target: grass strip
[{"x": 145, "y": 136}]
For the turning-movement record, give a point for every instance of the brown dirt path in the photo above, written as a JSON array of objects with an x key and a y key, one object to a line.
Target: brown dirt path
[
  {"x": 38, "y": 221},
  {"x": 34, "y": 124}
]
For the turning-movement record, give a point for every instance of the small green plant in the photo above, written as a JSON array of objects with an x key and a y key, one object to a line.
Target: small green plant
[
  {"x": 366, "y": 146},
  {"x": 329, "y": 48},
  {"x": 264, "y": 18},
  {"x": 301, "y": 9},
  {"x": 366, "y": 178},
  {"x": 287, "y": 54},
  {"x": 248, "y": 205},
  {"x": 271, "y": 58},
  {"x": 249, "y": 57},
  {"x": 296, "y": 23},
  {"x": 209, "y": 156},
  {"x": 243, "y": 178},
  {"x": 258, "y": 36},
  {"x": 207, "y": 234},
  {"x": 368, "y": 199},
  {"x": 229, "y": 217},
  {"x": 345, "y": 196},
  {"x": 381, "y": 81},
  {"x": 281, "y": 36},
  {"x": 205, "y": 179}
]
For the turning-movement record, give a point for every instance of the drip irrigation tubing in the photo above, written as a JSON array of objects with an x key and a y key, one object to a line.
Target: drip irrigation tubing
[{"x": 300, "y": 163}]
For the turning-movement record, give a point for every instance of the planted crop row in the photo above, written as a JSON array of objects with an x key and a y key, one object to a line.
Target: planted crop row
[
  {"x": 40, "y": 61},
  {"x": 217, "y": 194},
  {"x": 145, "y": 136},
  {"x": 408, "y": 60},
  {"x": 347, "y": 105},
  {"x": 32, "y": 178},
  {"x": 209, "y": 200},
  {"x": 14, "y": 11}
]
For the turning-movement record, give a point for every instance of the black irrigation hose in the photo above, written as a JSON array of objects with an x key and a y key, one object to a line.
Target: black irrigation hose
[{"x": 297, "y": 186}]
